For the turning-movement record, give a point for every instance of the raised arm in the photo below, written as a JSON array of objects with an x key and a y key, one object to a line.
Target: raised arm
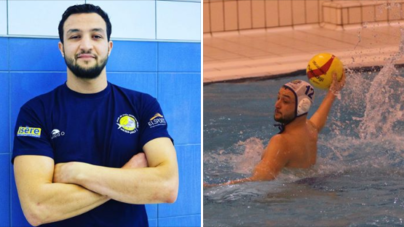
[
  {"x": 156, "y": 184},
  {"x": 319, "y": 118},
  {"x": 43, "y": 201}
]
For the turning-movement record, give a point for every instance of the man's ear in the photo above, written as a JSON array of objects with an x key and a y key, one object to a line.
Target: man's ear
[
  {"x": 110, "y": 45},
  {"x": 60, "y": 45}
]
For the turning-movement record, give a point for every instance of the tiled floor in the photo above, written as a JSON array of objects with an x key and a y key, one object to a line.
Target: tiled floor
[{"x": 260, "y": 53}]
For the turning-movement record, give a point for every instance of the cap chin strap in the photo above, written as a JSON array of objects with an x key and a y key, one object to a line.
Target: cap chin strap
[{"x": 280, "y": 126}]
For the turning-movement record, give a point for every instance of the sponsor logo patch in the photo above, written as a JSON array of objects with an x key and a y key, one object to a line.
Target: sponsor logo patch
[
  {"x": 56, "y": 133},
  {"x": 127, "y": 123},
  {"x": 157, "y": 120},
  {"x": 28, "y": 131}
]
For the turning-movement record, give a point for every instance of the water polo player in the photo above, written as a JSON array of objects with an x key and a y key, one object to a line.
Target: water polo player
[{"x": 296, "y": 144}]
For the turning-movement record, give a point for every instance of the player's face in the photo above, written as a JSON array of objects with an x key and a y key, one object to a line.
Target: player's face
[
  {"x": 86, "y": 47},
  {"x": 285, "y": 106}
]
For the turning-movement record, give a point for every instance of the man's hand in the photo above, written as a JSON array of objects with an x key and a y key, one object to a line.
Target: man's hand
[
  {"x": 137, "y": 161},
  {"x": 65, "y": 172},
  {"x": 336, "y": 85}
]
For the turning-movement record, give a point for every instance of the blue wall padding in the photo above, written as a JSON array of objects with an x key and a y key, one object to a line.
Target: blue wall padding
[
  {"x": 179, "y": 57},
  {"x": 3, "y": 54},
  {"x": 179, "y": 108},
  {"x": 153, "y": 222},
  {"x": 168, "y": 71},
  {"x": 5, "y": 189},
  {"x": 4, "y": 114},
  {"x": 127, "y": 56},
  {"x": 35, "y": 55},
  {"x": 185, "y": 221},
  {"x": 151, "y": 210}
]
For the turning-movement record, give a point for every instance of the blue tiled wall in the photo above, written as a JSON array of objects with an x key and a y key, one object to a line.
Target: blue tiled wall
[
  {"x": 4, "y": 113},
  {"x": 168, "y": 71},
  {"x": 176, "y": 105},
  {"x": 179, "y": 57},
  {"x": 134, "y": 57},
  {"x": 3, "y": 54},
  {"x": 5, "y": 188},
  {"x": 35, "y": 55}
]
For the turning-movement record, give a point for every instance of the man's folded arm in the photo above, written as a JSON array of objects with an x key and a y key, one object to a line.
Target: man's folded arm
[
  {"x": 156, "y": 184},
  {"x": 42, "y": 200}
]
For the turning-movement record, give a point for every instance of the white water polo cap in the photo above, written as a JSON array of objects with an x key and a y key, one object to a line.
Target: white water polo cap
[{"x": 304, "y": 94}]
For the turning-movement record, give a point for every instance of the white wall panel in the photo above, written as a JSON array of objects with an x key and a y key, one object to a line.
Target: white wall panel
[
  {"x": 130, "y": 19},
  {"x": 178, "y": 20},
  {"x": 36, "y": 17},
  {"x": 3, "y": 17}
]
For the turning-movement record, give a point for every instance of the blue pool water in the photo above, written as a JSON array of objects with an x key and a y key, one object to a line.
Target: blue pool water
[{"x": 358, "y": 179}]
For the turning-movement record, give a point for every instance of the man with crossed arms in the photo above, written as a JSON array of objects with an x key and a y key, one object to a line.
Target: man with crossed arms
[{"x": 89, "y": 153}]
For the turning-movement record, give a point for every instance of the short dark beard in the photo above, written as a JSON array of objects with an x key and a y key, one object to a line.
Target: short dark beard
[
  {"x": 285, "y": 121},
  {"x": 89, "y": 73}
]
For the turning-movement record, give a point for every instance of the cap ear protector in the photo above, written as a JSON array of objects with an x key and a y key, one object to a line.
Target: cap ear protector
[
  {"x": 303, "y": 106},
  {"x": 304, "y": 94}
]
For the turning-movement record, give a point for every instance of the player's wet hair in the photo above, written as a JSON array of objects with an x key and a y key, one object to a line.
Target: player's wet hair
[{"x": 84, "y": 8}]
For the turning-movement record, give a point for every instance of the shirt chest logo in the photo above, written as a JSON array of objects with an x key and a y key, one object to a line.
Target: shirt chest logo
[{"x": 127, "y": 123}]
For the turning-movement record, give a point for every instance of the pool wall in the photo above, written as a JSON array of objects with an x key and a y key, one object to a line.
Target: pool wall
[{"x": 221, "y": 16}]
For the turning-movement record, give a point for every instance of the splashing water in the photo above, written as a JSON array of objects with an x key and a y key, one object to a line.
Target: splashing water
[
  {"x": 253, "y": 150},
  {"x": 240, "y": 159},
  {"x": 384, "y": 99}
]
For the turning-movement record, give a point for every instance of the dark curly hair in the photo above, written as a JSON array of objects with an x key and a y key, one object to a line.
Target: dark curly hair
[{"x": 84, "y": 8}]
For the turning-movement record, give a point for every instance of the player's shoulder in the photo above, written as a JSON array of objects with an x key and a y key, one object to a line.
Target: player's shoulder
[
  {"x": 278, "y": 141},
  {"x": 278, "y": 138},
  {"x": 276, "y": 147},
  {"x": 42, "y": 101},
  {"x": 133, "y": 94}
]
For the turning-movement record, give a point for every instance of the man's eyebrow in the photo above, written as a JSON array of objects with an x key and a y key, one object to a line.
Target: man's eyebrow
[
  {"x": 78, "y": 30},
  {"x": 97, "y": 30},
  {"x": 72, "y": 30},
  {"x": 286, "y": 96}
]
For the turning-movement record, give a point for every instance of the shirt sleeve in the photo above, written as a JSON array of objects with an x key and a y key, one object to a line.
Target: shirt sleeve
[
  {"x": 30, "y": 135},
  {"x": 153, "y": 123}
]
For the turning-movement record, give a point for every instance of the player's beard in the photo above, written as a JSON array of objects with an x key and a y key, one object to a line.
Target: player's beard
[
  {"x": 86, "y": 73},
  {"x": 285, "y": 119}
]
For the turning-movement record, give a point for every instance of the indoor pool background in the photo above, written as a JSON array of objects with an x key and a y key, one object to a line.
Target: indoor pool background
[{"x": 359, "y": 176}]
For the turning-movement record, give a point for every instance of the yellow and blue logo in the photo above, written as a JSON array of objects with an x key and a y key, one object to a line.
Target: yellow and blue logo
[
  {"x": 127, "y": 123},
  {"x": 28, "y": 131}
]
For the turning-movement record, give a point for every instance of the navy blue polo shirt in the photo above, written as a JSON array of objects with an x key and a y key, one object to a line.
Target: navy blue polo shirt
[{"x": 106, "y": 128}]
